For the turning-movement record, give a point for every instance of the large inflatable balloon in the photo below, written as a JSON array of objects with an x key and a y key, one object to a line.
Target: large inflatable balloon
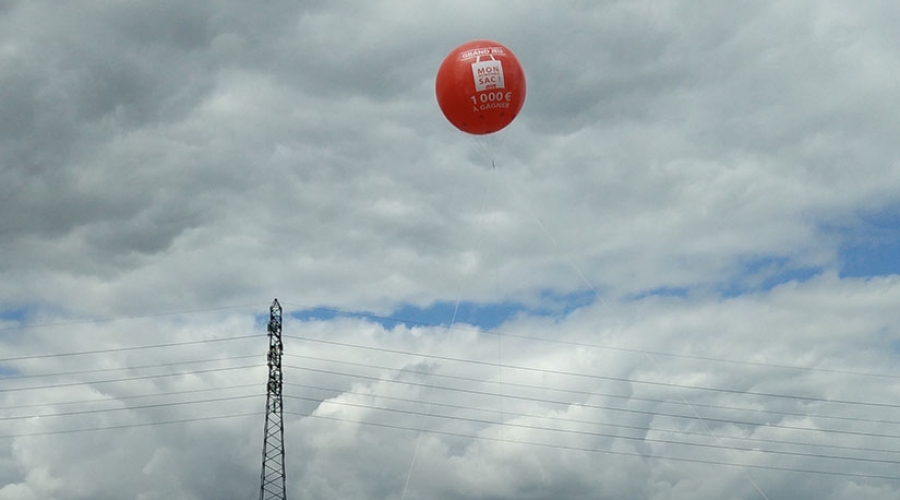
[{"x": 480, "y": 87}]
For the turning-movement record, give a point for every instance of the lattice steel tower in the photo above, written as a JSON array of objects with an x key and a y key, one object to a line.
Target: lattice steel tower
[{"x": 272, "y": 479}]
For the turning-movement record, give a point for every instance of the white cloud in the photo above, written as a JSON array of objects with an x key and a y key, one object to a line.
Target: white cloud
[{"x": 667, "y": 194}]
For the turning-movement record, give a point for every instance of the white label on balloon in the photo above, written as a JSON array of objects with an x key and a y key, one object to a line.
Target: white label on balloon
[{"x": 488, "y": 74}]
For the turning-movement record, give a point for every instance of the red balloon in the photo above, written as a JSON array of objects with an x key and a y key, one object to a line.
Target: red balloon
[{"x": 480, "y": 87}]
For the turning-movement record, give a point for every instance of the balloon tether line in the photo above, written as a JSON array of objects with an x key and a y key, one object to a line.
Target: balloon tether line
[
  {"x": 412, "y": 462},
  {"x": 601, "y": 299},
  {"x": 490, "y": 155}
]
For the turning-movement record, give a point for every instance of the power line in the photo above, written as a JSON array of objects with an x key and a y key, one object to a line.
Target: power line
[
  {"x": 396, "y": 320},
  {"x": 125, "y": 397},
  {"x": 139, "y": 367},
  {"x": 128, "y": 379},
  {"x": 128, "y": 426},
  {"x": 552, "y": 445},
  {"x": 122, "y": 349},
  {"x": 596, "y": 423},
  {"x": 431, "y": 403},
  {"x": 460, "y": 418},
  {"x": 131, "y": 408},
  {"x": 794, "y": 397},
  {"x": 596, "y": 393},
  {"x": 596, "y": 377},
  {"x": 602, "y": 434},
  {"x": 611, "y": 408},
  {"x": 608, "y": 452}
]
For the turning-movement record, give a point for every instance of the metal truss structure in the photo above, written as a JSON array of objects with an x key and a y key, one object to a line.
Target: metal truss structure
[{"x": 272, "y": 478}]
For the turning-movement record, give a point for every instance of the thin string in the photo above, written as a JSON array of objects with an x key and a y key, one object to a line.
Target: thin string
[
  {"x": 596, "y": 294},
  {"x": 489, "y": 145},
  {"x": 412, "y": 462},
  {"x": 711, "y": 433},
  {"x": 490, "y": 152},
  {"x": 556, "y": 244},
  {"x": 501, "y": 385},
  {"x": 499, "y": 337}
]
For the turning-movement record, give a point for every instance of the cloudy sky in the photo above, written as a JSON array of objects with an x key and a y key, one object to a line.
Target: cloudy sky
[{"x": 678, "y": 282}]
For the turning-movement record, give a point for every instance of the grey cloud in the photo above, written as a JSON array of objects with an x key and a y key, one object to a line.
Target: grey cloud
[
  {"x": 159, "y": 157},
  {"x": 360, "y": 460}
]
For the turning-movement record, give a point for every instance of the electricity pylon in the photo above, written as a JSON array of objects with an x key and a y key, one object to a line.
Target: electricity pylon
[{"x": 272, "y": 478}]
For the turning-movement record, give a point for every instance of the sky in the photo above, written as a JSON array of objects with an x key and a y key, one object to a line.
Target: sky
[{"x": 673, "y": 276}]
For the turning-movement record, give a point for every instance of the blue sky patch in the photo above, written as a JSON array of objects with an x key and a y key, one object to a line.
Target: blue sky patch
[
  {"x": 765, "y": 273},
  {"x": 443, "y": 313},
  {"x": 18, "y": 314},
  {"x": 871, "y": 245},
  {"x": 870, "y": 259},
  {"x": 663, "y": 291},
  {"x": 485, "y": 316}
]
